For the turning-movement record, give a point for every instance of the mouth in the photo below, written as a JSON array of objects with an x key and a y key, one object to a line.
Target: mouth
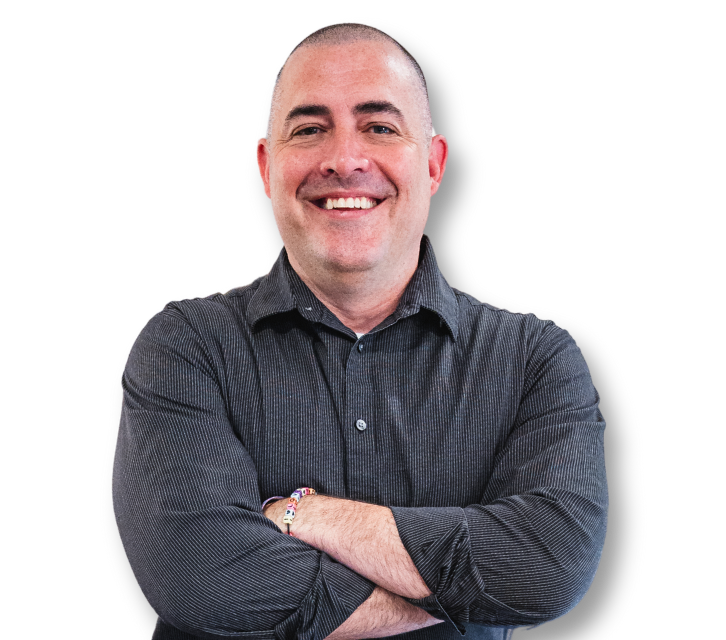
[{"x": 361, "y": 202}]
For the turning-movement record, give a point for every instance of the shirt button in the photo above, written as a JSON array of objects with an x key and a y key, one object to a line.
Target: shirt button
[
  {"x": 360, "y": 346},
  {"x": 361, "y": 425}
]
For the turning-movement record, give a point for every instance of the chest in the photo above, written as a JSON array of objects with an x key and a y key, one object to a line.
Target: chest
[{"x": 404, "y": 417}]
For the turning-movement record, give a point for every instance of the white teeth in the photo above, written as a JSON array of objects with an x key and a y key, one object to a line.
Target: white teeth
[{"x": 350, "y": 203}]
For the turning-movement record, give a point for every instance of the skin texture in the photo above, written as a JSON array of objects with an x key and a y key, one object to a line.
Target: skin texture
[
  {"x": 364, "y": 537},
  {"x": 357, "y": 262}
]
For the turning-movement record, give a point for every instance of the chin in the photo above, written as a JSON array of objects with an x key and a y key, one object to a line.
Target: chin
[
  {"x": 349, "y": 257},
  {"x": 343, "y": 249},
  {"x": 348, "y": 264}
]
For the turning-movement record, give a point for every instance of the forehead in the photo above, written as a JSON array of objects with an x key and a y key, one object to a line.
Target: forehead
[{"x": 351, "y": 73}]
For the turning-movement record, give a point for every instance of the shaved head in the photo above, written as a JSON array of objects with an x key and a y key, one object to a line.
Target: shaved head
[{"x": 347, "y": 33}]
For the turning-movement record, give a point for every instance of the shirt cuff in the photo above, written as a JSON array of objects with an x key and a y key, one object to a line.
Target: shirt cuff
[
  {"x": 437, "y": 539},
  {"x": 336, "y": 594}
]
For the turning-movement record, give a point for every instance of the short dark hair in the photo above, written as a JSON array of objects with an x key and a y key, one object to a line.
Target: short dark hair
[{"x": 350, "y": 32}]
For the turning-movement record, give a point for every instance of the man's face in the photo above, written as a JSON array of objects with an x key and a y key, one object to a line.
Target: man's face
[{"x": 348, "y": 165}]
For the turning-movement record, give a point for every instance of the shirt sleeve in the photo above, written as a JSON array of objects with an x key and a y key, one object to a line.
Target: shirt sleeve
[
  {"x": 188, "y": 507},
  {"x": 528, "y": 552}
]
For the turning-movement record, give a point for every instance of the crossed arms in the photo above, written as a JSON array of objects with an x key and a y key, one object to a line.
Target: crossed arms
[
  {"x": 213, "y": 565},
  {"x": 364, "y": 537}
]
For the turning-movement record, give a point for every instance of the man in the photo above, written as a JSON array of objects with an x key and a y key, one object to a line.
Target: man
[{"x": 455, "y": 449}]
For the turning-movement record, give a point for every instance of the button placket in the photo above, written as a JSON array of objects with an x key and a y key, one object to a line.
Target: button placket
[{"x": 360, "y": 443}]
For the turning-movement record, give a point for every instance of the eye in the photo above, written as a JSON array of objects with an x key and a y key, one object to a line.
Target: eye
[
  {"x": 381, "y": 129},
  {"x": 307, "y": 131}
]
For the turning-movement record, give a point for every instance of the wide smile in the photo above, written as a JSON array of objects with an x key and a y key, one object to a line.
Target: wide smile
[
  {"x": 358, "y": 202},
  {"x": 347, "y": 207}
]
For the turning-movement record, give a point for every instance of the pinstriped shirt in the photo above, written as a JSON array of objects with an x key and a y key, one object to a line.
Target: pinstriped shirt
[{"x": 478, "y": 427}]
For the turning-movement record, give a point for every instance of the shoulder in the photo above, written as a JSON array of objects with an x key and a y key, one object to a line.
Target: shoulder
[
  {"x": 210, "y": 311},
  {"x": 207, "y": 322},
  {"x": 528, "y": 343},
  {"x": 515, "y": 329}
]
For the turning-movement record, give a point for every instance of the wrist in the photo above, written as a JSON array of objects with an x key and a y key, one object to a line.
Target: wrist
[
  {"x": 289, "y": 521},
  {"x": 303, "y": 525}
]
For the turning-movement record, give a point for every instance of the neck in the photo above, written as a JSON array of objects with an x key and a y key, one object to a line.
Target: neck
[{"x": 361, "y": 300}]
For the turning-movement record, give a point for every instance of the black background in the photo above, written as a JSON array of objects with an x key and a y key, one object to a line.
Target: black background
[{"x": 529, "y": 217}]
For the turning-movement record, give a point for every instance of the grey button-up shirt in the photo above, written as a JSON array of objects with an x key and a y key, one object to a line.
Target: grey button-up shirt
[{"x": 478, "y": 427}]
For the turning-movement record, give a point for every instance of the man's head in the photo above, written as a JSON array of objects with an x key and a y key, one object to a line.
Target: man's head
[
  {"x": 350, "y": 125},
  {"x": 348, "y": 33}
]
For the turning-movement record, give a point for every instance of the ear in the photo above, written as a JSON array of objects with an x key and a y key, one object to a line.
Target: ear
[
  {"x": 263, "y": 162},
  {"x": 438, "y": 153}
]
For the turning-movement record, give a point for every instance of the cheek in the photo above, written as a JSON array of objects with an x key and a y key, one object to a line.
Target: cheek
[
  {"x": 286, "y": 175},
  {"x": 407, "y": 170}
]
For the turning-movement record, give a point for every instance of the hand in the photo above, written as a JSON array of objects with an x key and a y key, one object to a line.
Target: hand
[{"x": 275, "y": 511}]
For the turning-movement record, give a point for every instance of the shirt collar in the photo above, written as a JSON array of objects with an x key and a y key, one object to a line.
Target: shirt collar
[
  {"x": 428, "y": 289},
  {"x": 282, "y": 290}
]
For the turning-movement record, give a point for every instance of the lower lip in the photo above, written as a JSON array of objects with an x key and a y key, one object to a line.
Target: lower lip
[{"x": 346, "y": 214}]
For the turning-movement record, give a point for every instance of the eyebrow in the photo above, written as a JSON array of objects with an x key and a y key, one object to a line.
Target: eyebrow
[
  {"x": 375, "y": 106},
  {"x": 379, "y": 106}
]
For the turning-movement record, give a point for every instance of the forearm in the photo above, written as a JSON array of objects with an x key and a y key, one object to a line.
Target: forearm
[
  {"x": 365, "y": 538},
  {"x": 383, "y": 614},
  {"x": 362, "y": 536}
]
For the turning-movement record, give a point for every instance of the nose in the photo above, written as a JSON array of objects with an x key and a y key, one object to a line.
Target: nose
[{"x": 344, "y": 156}]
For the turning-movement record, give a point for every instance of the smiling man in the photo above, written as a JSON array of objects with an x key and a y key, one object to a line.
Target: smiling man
[
  {"x": 443, "y": 457},
  {"x": 350, "y": 122}
]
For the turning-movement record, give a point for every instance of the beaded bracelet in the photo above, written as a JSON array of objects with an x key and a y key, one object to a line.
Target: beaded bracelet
[{"x": 292, "y": 505}]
